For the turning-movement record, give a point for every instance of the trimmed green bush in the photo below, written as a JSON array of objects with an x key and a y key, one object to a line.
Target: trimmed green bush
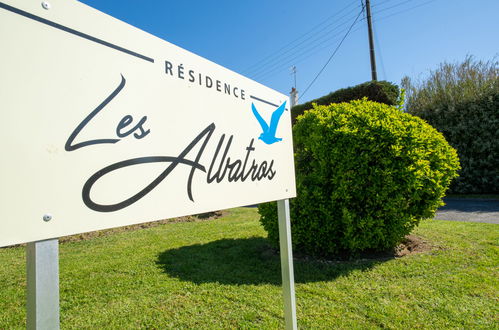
[
  {"x": 377, "y": 91},
  {"x": 366, "y": 175},
  {"x": 462, "y": 101}
]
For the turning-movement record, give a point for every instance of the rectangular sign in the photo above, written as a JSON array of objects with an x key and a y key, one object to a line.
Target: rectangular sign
[{"x": 105, "y": 125}]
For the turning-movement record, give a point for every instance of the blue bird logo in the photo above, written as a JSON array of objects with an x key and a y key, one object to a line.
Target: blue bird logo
[{"x": 268, "y": 134}]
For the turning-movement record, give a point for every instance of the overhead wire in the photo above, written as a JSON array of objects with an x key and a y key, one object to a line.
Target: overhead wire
[
  {"x": 394, "y": 6},
  {"x": 297, "y": 59},
  {"x": 380, "y": 53},
  {"x": 306, "y": 43},
  {"x": 377, "y": 19},
  {"x": 332, "y": 55},
  {"x": 377, "y": 4},
  {"x": 296, "y": 39},
  {"x": 303, "y": 55},
  {"x": 299, "y": 56},
  {"x": 403, "y": 11}
]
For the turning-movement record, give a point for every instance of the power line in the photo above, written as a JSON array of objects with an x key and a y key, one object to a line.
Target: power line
[
  {"x": 380, "y": 3},
  {"x": 377, "y": 19},
  {"x": 298, "y": 56},
  {"x": 309, "y": 52},
  {"x": 405, "y": 10},
  {"x": 300, "y": 37},
  {"x": 394, "y": 6},
  {"x": 302, "y": 56},
  {"x": 292, "y": 58},
  {"x": 332, "y": 55},
  {"x": 291, "y": 42},
  {"x": 376, "y": 40},
  {"x": 308, "y": 42}
]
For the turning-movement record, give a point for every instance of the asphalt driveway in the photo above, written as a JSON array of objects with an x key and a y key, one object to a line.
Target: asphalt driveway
[{"x": 469, "y": 209}]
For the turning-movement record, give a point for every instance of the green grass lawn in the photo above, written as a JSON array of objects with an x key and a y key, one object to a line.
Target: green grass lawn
[{"x": 220, "y": 274}]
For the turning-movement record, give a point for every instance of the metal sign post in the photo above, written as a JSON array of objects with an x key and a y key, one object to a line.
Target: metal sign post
[
  {"x": 42, "y": 261},
  {"x": 288, "y": 278}
]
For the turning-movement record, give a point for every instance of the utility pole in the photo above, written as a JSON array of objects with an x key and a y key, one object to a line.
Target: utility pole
[
  {"x": 293, "y": 97},
  {"x": 293, "y": 71},
  {"x": 294, "y": 93},
  {"x": 371, "y": 41}
]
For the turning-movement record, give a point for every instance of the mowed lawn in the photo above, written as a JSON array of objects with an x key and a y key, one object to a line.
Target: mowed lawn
[{"x": 221, "y": 274}]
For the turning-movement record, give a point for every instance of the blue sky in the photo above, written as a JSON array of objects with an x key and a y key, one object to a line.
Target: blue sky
[{"x": 262, "y": 39}]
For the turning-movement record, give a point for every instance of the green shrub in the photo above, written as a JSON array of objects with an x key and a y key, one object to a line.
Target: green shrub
[
  {"x": 366, "y": 175},
  {"x": 462, "y": 102},
  {"x": 377, "y": 91}
]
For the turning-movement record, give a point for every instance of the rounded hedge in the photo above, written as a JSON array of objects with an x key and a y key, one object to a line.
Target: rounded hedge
[{"x": 366, "y": 175}]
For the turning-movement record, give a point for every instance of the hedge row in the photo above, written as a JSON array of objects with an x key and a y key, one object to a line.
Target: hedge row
[
  {"x": 472, "y": 127},
  {"x": 377, "y": 91},
  {"x": 461, "y": 100}
]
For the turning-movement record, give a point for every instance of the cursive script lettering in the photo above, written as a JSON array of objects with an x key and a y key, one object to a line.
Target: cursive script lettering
[
  {"x": 222, "y": 165},
  {"x": 236, "y": 170},
  {"x": 125, "y": 121},
  {"x": 173, "y": 162}
]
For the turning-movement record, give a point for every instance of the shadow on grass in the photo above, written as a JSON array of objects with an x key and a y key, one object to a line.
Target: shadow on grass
[{"x": 246, "y": 261}]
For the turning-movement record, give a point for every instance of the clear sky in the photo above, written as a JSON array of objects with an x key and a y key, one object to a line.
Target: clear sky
[{"x": 263, "y": 39}]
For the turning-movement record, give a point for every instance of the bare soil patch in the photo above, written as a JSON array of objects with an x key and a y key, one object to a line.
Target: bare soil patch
[
  {"x": 411, "y": 244},
  {"x": 111, "y": 231},
  {"x": 106, "y": 232}
]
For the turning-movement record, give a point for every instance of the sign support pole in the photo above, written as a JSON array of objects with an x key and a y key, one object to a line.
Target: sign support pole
[
  {"x": 42, "y": 266},
  {"x": 288, "y": 278}
]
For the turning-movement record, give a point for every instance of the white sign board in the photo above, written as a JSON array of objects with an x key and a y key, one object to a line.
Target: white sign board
[{"x": 105, "y": 125}]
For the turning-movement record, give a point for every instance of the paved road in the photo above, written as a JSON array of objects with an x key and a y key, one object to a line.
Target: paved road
[{"x": 469, "y": 209}]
